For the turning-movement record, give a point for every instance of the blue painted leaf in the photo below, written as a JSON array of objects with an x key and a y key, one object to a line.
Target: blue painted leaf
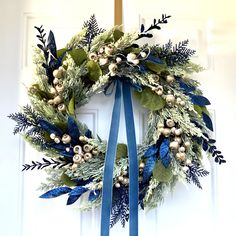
[
  {"x": 88, "y": 133},
  {"x": 78, "y": 191},
  {"x": 50, "y": 128},
  {"x": 142, "y": 28},
  {"x": 149, "y": 166},
  {"x": 166, "y": 160},
  {"x": 58, "y": 146},
  {"x": 67, "y": 154},
  {"x": 72, "y": 199},
  {"x": 185, "y": 87},
  {"x": 73, "y": 130},
  {"x": 94, "y": 195},
  {"x": 164, "y": 148},
  {"x": 142, "y": 68},
  {"x": 205, "y": 145},
  {"x": 207, "y": 120},
  {"x": 151, "y": 151},
  {"x": 51, "y": 45},
  {"x": 199, "y": 100},
  {"x": 154, "y": 59},
  {"x": 164, "y": 153},
  {"x": 81, "y": 182},
  {"x": 56, "y": 192}
]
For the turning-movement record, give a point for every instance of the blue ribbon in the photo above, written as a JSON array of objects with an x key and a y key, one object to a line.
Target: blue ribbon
[{"x": 121, "y": 84}]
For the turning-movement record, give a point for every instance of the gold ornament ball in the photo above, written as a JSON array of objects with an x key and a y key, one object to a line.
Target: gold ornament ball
[
  {"x": 56, "y": 81},
  {"x": 94, "y": 151},
  {"x": 131, "y": 56},
  {"x": 170, "y": 123},
  {"x": 83, "y": 139},
  {"x": 53, "y": 91},
  {"x": 178, "y": 132},
  {"x": 178, "y": 139},
  {"x": 59, "y": 88},
  {"x": 77, "y": 158},
  {"x": 93, "y": 56},
  {"x": 125, "y": 181},
  {"x": 87, "y": 156},
  {"x": 178, "y": 100},
  {"x": 174, "y": 145},
  {"x": 57, "y": 100},
  {"x": 120, "y": 178},
  {"x": 87, "y": 148},
  {"x": 166, "y": 132},
  {"x": 108, "y": 50},
  {"x": 142, "y": 165},
  {"x": 113, "y": 69},
  {"x": 170, "y": 99},
  {"x": 143, "y": 54},
  {"x": 61, "y": 107},
  {"x": 170, "y": 78},
  {"x": 66, "y": 139},
  {"x": 118, "y": 60},
  {"x": 187, "y": 144},
  {"x": 77, "y": 149},
  {"x": 57, "y": 140},
  {"x": 182, "y": 103},
  {"x": 103, "y": 61},
  {"x": 182, "y": 149}
]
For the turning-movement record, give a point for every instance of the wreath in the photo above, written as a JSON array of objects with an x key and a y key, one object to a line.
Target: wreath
[{"x": 96, "y": 61}]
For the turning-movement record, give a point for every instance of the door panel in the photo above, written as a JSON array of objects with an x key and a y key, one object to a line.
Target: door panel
[{"x": 182, "y": 209}]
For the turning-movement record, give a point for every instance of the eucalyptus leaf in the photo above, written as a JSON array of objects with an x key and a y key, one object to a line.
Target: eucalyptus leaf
[
  {"x": 78, "y": 55},
  {"x": 67, "y": 180},
  {"x": 94, "y": 70},
  {"x": 149, "y": 99},
  {"x": 121, "y": 150},
  {"x": 117, "y": 34},
  {"x": 71, "y": 106},
  {"x": 155, "y": 67},
  {"x": 162, "y": 174},
  {"x": 60, "y": 52}
]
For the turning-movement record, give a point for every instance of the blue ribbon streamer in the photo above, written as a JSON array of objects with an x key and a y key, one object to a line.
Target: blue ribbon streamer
[{"x": 110, "y": 160}]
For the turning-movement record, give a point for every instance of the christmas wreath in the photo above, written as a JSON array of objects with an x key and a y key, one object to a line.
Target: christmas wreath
[{"x": 79, "y": 163}]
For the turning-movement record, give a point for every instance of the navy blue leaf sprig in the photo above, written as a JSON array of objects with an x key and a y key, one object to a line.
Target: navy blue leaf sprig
[
  {"x": 155, "y": 25},
  {"x": 59, "y": 163}
]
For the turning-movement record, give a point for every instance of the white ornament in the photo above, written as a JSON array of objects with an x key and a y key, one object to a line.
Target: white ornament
[
  {"x": 178, "y": 132},
  {"x": 131, "y": 56},
  {"x": 93, "y": 56},
  {"x": 61, "y": 107},
  {"x": 108, "y": 50},
  {"x": 143, "y": 54},
  {"x": 118, "y": 60},
  {"x": 77, "y": 158},
  {"x": 52, "y": 136},
  {"x": 66, "y": 139},
  {"x": 113, "y": 69},
  {"x": 103, "y": 61}
]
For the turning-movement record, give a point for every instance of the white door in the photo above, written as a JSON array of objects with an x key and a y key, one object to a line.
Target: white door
[{"x": 186, "y": 210}]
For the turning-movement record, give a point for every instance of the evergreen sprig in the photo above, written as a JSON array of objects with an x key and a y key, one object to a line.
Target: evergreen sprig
[
  {"x": 194, "y": 172},
  {"x": 25, "y": 119},
  {"x": 176, "y": 55},
  {"x": 92, "y": 30},
  {"x": 46, "y": 163},
  {"x": 156, "y": 25},
  {"x": 120, "y": 208}
]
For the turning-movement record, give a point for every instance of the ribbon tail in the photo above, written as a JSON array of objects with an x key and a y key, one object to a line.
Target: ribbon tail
[
  {"x": 133, "y": 161},
  {"x": 109, "y": 163}
]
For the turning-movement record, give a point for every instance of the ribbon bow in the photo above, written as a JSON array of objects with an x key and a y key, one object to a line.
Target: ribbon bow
[{"x": 122, "y": 87}]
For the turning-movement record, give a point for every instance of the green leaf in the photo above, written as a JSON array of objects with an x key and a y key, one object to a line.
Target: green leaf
[
  {"x": 200, "y": 109},
  {"x": 162, "y": 174},
  {"x": 71, "y": 106},
  {"x": 67, "y": 180},
  {"x": 157, "y": 68},
  {"x": 117, "y": 34},
  {"x": 94, "y": 70},
  {"x": 149, "y": 99},
  {"x": 121, "y": 150},
  {"x": 60, "y": 52},
  {"x": 78, "y": 55}
]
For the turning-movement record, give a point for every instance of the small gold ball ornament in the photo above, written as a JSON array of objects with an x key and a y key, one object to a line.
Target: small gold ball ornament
[{"x": 66, "y": 138}]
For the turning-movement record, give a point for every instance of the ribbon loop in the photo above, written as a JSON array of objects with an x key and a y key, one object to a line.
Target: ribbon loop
[{"x": 122, "y": 84}]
